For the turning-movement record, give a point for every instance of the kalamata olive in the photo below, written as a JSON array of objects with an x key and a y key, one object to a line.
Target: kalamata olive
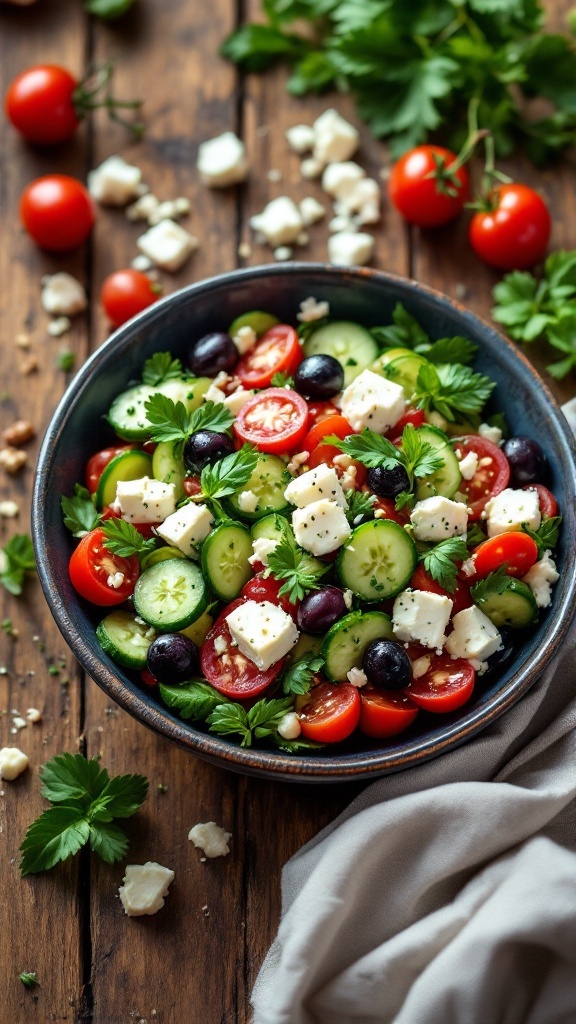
[
  {"x": 321, "y": 609},
  {"x": 204, "y": 448},
  {"x": 172, "y": 658},
  {"x": 319, "y": 376},
  {"x": 527, "y": 460},
  {"x": 388, "y": 482},
  {"x": 511, "y": 641},
  {"x": 387, "y": 665},
  {"x": 212, "y": 353}
]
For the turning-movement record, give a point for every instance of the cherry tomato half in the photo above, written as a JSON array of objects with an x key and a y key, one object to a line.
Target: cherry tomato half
[
  {"x": 277, "y": 351},
  {"x": 331, "y": 425},
  {"x": 460, "y": 597},
  {"x": 126, "y": 293},
  {"x": 261, "y": 589},
  {"x": 232, "y": 673},
  {"x": 57, "y": 212},
  {"x": 513, "y": 234},
  {"x": 331, "y": 712},
  {"x": 274, "y": 420},
  {"x": 388, "y": 507},
  {"x": 92, "y": 564},
  {"x": 445, "y": 686},
  {"x": 415, "y": 417},
  {"x": 192, "y": 485},
  {"x": 548, "y": 503},
  {"x": 97, "y": 464},
  {"x": 385, "y": 712},
  {"x": 40, "y": 104},
  {"x": 318, "y": 411},
  {"x": 424, "y": 190},
  {"x": 517, "y": 550},
  {"x": 490, "y": 477}
]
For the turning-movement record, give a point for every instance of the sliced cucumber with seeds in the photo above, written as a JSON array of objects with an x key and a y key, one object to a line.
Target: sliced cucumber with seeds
[
  {"x": 514, "y": 606},
  {"x": 257, "y": 319},
  {"x": 125, "y": 639},
  {"x": 345, "y": 642},
  {"x": 168, "y": 469},
  {"x": 404, "y": 371},
  {"x": 268, "y": 482},
  {"x": 387, "y": 356},
  {"x": 225, "y": 554},
  {"x": 274, "y": 527},
  {"x": 447, "y": 479},
  {"x": 352, "y": 345},
  {"x": 127, "y": 414},
  {"x": 378, "y": 560},
  {"x": 130, "y": 465},
  {"x": 171, "y": 594}
]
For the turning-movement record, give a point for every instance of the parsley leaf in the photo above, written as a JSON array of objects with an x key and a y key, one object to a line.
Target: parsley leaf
[
  {"x": 29, "y": 979},
  {"x": 298, "y": 676},
  {"x": 282, "y": 380},
  {"x": 546, "y": 536},
  {"x": 403, "y": 332},
  {"x": 170, "y": 420},
  {"x": 80, "y": 514},
  {"x": 360, "y": 505},
  {"x": 229, "y": 473},
  {"x": 160, "y": 368},
  {"x": 494, "y": 583},
  {"x": 230, "y": 720},
  {"x": 261, "y": 720},
  {"x": 452, "y": 389},
  {"x": 196, "y": 699},
  {"x": 124, "y": 539},
  {"x": 265, "y": 716},
  {"x": 86, "y": 800},
  {"x": 451, "y": 350},
  {"x": 301, "y": 571},
  {"x": 418, "y": 457},
  {"x": 443, "y": 561},
  {"x": 474, "y": 535},
  {"x": 16, "y": 562}
]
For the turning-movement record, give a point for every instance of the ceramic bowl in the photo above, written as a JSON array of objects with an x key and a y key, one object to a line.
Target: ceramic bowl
[{"x": 78, "y": 429}]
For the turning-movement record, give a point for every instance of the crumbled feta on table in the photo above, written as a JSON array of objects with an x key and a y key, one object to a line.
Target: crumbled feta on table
[
  {"x": 222, "y": 161},
  {"x": 280, "y": 222},
  {"x": 144, "y": 889},
  {"x": 210, "y": 838},
  {"x": 62, "y": 294},
  {"x": 311, "y": 210},
  {"x": 12, "y": 763},
  {"x": 115, "y": 182},
  {"x": 168, "y": 245},
  {"x": 350, "y": 248},
  {"x": 335, "y": 139},
  {"x": 300, "y": 138}
]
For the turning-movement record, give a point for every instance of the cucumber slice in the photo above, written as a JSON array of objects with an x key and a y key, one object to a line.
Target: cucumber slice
[
  {"x": 127, "y": 414},
  {"x": 171, "y": 594},
  {"x": 447, "y": 479},
  {"x": 378, "y": 560},
  {"x": 353, "y": 346},
  {"x": 387, "y": 356},
  {"x": 130, "y": 465},
  {"x": 404, "y": 371},
  {"x": 257, "y": 319},
  {"x": 124, "y": 639},
  {"x": 161, "y": 555},
  {"x": 268, "y": 482},
  {"x": 225, "y": 554},
  {"x": 189, "y": 390},
  {"x": 514, "y": 606},
  {"x": 168, "y": 469},
  {"x": 345, "y": 642},
  {"x": 304, "y": 645},
  {"x": 274, "y": 527}
]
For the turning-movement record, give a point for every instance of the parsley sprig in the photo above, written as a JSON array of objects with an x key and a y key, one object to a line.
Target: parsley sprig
[
  {"x": 171, "y": 421},
  {"x": 496, "y": 582},
  {"x": 16, "y": 563},
  {"x": 406, "y": 332},
  {"x": 225, "y": 477},
  {"x": 80, "y": 513},
  {"x": 443, "y": 561},
  {"x": 300, "y": 571},
  {"x": 299, "y": 675},
  {"x": 124, "y": 540},
  {"x": 86, "y": 801},
  {"x": 196, "y": 699},
  {"x": 546, "y": 536},
  {"x": 29, "y": 979},
  {"x": 360, "y": 504},
  {"x": 160, "y": 368},
  {"x": 260, "y": 721},
  {"x": 452, "y": 389}
]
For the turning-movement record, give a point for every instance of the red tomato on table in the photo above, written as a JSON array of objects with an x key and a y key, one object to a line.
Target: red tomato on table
[
  {"x": 40, "y": 104},
  {"x": 277, "y": 351},
  {"x": 92, "y": 564},
  {"x": 331, "y": 712},
  {"x": 513, "y": 233},
  {"x": 490, "y": 477},
  {"x": 274, "y": 420},
  {"x": 57, "y": 212},
  {"x": 232, "y": 673},
  {"x": 423, "y": 188}
]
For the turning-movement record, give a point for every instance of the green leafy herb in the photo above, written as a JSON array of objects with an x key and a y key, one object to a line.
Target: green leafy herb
[
  {"x": 29, "y": 979},
  {"x": 451, "y": 350},
  {"x": 65, "y": 360},
  {"x": 403, "y": 332},
  {"x": 494, "y": 583},
  {"x": 360, "y": 504},
  {"x": 172, "y": 422},
  {"x": 86, "y": 801},
  {"x": 444, "y": 560},
  {"x": 546, "y": 536},
  {"x": 474, "y": 536},
  {"x": 80, "y": 514},
  {"x": 414, "y": 68},
  {"x": 298, "y": 746},
  {"x": 195, "y": 700},
  {"x": 124, "y": 539},
  {"x": 229, "y": 473},
  {"x": 261, "y": 720},
  {"x": 160, "y": 368},
  {"x": 452, "y": 389},
  {"x": 282, "y": 380},
  {"x": 298, "y": 676},
  {"x": 300, "y": 571},
  {"x": 16, "y": 562}
]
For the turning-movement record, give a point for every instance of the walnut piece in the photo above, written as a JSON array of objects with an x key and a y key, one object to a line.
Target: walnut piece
[
  {"x": 12, "y": 460},
  {"x": 19, "y": 433}
]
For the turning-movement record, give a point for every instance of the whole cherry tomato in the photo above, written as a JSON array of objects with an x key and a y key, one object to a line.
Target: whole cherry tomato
[
  {"x": 424, "y": 188},
  {"x": 57, "y": 212},
  {"x": 513, "y": 233},
  {"x": 126, "y": 293},
  {"x": 40, "y": 104}
]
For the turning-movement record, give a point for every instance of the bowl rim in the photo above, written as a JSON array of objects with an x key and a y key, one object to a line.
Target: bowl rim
[{"x": 275, "y": 764}]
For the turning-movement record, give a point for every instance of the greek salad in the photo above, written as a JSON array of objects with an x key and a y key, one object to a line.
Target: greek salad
[{"x": 301, "y": 533}]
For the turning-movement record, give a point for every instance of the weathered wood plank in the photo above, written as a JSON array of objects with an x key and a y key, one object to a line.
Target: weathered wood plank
[{"x": 42, "y": 915}]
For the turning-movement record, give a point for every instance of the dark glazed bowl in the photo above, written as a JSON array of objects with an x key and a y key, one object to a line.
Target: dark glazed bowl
[{"x": 78, "y": 429}]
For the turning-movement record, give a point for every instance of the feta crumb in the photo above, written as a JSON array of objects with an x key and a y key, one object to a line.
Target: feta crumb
[
  {"x": 280, "y": 222},
  {"x": 312, "y": 309},
  {"x": 357, "y": 677},
  {"x": 220, "y": 645},
  {"x": 312, "y": 211},
  {"x": 300, "y": 138},
  {"x": 115, "y": 580},
  {"x": 245, "y": 250},
  {"x": 540, "y": 578},
  {"x": 350, "y": 248},
  {"x": 18, "y": 723},
  {"x": 114, "y": 182},
  {"x": 469, "y": 567},
  {"x": 282, "y": 253},
  {"x": 289, "y": 726},
  {"x": 144, "y": 889},
  {"x": 348, "y": 595},
  {"x": 341, "y": 223},
  {"x": 141, "y": 263},
  {"x": 56, "y": 328},
  {"x": 420, "y": 666},
  {"x": 274, "y": 174},
  {"x": 168, "y": 245},
  {"x": 261, "y": 548},
  {"x": 468, "y": 465},
  {"x": 143, "y": 208},
  {"x": 493, "y": 434},
  {"x": 248, "y": 501},
  {"x": 62, "y": 294},
  {"x": 311, "y": 168},
  {"x": 8, "y": 509},
  {"x": 12, "y": 763},
  {"x": 222, "y": 161},
  {"x": 210, "y": 838},
  {"x": 245, "y": 340},
  {"x": 334, "y": 138}
]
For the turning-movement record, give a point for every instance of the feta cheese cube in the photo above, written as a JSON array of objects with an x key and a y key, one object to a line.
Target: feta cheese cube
[
  {"x": 210, "y": 838},
  {"x": 280, "y": 222},
  {"x": 321, "y": 482},
  {"x": 245, "y": 340},
  {"x": 507, "y": 511},
  {"x": 261, "y": 548},
  {"x": 289, "y": 726},
  {"x": 263, "y": 631},
  {"x": 474, "y": 636},
  {"x": 300, "y": 138},
  {"x": 12, "y": 763},
  {"x": 247, "y": 501},
  {"x": 311, "y": 210},
  {"x": 215, "y": 394},
  {"x": 145, "y": 207},
  {"x": 63, "y": 295},
  {"x": 437, "y": 518},
  {"x": 145, "y": 500},
  {"x": 311, "y": 168},
  {"x": 187, "y": 527},
  {"x": 540, "y": 578},
  {"x": 468, "y": 465},
  {"x": 222, "y": 161},
  {"x": 493, "y": 434},
  {"x": 320, "y": 527},
  {"x": 372, "y": 401},
  {"x": 144, "y": 889},
  {"x": 114, "y": 182},
  {"x": 339, "y": 178},
  {"x": 420, "y": 616},
  {"x": 168, "y": 245},
  {"x": 311, "y": 309},
  {"x": 350, "y": 248},
  {"x": 356, "y": 677},
  {"x": 334, "y": 138}
]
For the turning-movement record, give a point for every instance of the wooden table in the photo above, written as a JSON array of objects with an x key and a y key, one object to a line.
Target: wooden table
[{"x": 197, "y": 959}]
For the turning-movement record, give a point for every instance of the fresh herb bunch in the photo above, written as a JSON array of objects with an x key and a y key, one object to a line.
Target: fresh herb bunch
[
  {"x": 414, "y": 67},
  {"x": 532, "y": 307}
]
